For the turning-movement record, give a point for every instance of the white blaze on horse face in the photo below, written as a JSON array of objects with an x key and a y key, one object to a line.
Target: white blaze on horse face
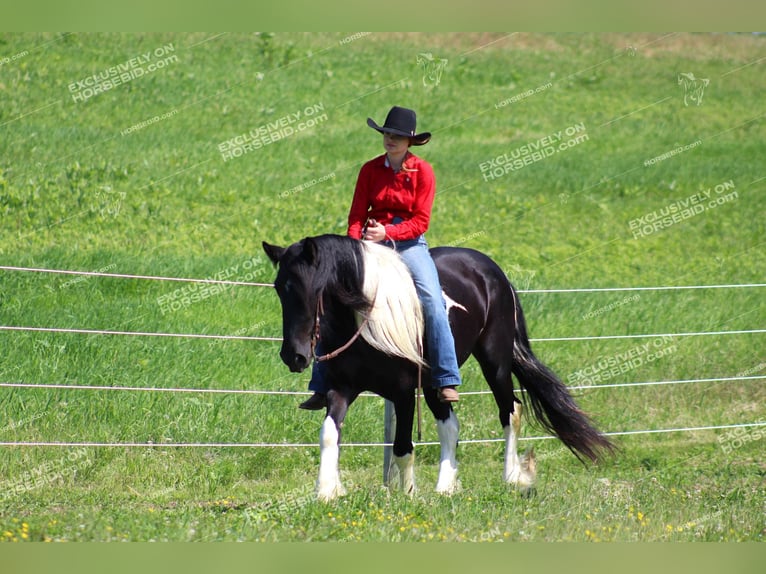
[
  {"x": 406, "y": 466},
  {"x": 448, "y": 434},
  {"x": 328, "y": 483}
]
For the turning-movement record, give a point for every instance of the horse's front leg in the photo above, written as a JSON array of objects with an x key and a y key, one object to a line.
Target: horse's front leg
[
  {"x": 404, "y": 450},
  {"x": 448, "y": 429},
  {"x": 328, "y": 484}
]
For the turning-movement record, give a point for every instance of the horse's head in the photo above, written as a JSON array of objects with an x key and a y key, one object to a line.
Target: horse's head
[{"x": 297, "y": 265}]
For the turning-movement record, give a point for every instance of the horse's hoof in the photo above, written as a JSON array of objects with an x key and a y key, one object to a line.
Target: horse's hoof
[
  {"x": 448, "y": 490},
  {"x": 330, "y": 495},
  {"x": 326, "y": 496},
  {"x": 331, "y": 491},
  {"x": 527, "y": 491},
  {"x": 447, "y": 484}
]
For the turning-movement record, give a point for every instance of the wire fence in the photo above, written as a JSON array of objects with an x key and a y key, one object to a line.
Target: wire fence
[
  {"x": 280, "y": 392},
  {"x": 349, "y": 444},
  {"x": 252, "y": 284},
  {"x": 300, "y": 393},
  {"x": 260, "y": 338}
]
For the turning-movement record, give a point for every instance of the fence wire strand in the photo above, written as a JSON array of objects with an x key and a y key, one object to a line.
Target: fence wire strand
[
  {"x": 384, "y": 444},
  {"x": 351, "y": 444}
]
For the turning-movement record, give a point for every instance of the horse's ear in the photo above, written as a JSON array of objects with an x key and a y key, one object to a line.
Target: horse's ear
[
  {"x": 274, "y": 252},
  {"x": 310, "y": 250}
]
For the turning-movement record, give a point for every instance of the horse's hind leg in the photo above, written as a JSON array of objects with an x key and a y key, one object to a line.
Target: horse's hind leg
[
  {"x": 519, "y": 471},
  {"x": 448, "y": 429}
]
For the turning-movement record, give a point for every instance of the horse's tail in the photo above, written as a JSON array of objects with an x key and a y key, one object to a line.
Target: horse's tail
[{"x": 551, "y": 402}]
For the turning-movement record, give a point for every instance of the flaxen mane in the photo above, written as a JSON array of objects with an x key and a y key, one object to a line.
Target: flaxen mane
[{"x": 395, "y": 323}]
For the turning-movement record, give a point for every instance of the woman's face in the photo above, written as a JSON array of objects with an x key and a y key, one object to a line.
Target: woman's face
[{"x": 395, "y": 144}]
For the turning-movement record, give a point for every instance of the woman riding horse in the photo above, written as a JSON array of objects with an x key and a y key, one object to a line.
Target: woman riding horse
[{"x": 392, "y": 205}]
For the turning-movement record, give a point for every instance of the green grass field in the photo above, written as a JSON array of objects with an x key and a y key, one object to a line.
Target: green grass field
[{"x": 148, "y": 175}]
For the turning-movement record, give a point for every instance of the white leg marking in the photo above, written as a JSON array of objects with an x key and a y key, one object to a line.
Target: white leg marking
[
  {"x": 512, "y": 464},
  {"x": 328, "y": 483},
  {"x": 520, "y": 472},
  {"x": 406, "y": 466},
  {"x": 448, "y": 435}
]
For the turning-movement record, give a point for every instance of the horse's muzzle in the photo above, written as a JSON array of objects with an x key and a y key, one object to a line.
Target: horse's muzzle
[{"x": 296, "y": 362}]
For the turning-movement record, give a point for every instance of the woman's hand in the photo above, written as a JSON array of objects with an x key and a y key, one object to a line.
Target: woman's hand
[{"x": 375, "y": 231}]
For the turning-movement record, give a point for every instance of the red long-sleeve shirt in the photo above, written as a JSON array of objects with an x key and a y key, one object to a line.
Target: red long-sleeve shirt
[{"x": 383, "y": 194}]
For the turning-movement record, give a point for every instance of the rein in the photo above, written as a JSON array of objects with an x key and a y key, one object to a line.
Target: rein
[
  {"x": 315, "y": 337},
  {"x": 354, "y": 337}
]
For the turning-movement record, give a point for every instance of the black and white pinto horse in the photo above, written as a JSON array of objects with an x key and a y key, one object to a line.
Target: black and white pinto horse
[{"x": 359, "y": 299}]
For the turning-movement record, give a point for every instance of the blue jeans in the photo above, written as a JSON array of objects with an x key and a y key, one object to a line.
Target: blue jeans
[{"x": 439, "y": 341}]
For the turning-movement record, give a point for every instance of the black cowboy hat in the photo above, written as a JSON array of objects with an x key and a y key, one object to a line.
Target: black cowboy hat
[{"x": 401, "y": 121}]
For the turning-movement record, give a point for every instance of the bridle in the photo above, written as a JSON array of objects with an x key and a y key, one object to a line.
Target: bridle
[
  {"x": 315, "y": 335},
  {"x": 327, "y": 356}
]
